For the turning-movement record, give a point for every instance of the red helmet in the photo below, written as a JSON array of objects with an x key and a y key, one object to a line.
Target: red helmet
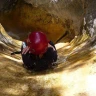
[{"x": 38, "y": 42}]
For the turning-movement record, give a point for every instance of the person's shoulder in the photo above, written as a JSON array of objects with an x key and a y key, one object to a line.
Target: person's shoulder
[{"x": 51, "y": 43}]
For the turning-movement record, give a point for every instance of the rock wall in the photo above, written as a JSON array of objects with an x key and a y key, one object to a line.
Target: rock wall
[{"x": 54, "y": 17}]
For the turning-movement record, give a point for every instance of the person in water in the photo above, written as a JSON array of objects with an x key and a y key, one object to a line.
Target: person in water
[{"x": 38, "y": 53}]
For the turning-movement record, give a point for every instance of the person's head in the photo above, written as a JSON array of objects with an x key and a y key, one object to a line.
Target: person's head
[{"x": 38, "y": 42}]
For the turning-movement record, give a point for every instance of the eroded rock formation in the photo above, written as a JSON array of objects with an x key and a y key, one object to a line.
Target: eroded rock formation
[{"x": 54, "y": 17}]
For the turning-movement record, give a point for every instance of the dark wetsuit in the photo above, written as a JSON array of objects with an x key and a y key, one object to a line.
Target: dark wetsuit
[{"x": 33, "y": 62}]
